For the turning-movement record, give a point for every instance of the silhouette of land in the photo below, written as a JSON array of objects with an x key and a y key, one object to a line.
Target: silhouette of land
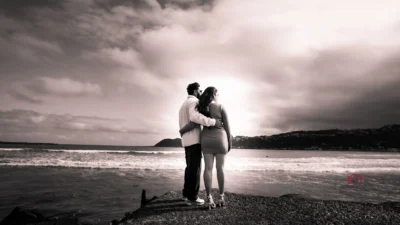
[{"x": 385, "y": 138}]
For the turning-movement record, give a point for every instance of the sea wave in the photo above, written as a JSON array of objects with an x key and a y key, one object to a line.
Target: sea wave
[
  {"x": 11, "y": 149},
  {"x": 149, "y": 152},
  {"x": 323, "y": 164},
  {"x": 320, "y": 170},
  {"x": 175, "y": 160},
  {"x": 94, "y": 151}
]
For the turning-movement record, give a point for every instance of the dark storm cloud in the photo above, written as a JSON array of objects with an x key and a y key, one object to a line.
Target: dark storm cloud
[
  {"x": 186, "y": 4},
  {"x": 21, "y": 8},
  {"x": 24, "y": 98},
  {"x": 109, "y": 4},
  {"x": 337, "y": 95}
]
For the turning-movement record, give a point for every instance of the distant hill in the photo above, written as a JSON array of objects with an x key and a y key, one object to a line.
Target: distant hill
[
  {"x": 24, "y": 143},
  {"x": 170, "y": 143},
  {"x": 386, "y": 138}
]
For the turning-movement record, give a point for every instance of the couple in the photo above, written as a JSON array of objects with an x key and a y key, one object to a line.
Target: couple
[{"x": 214, "y": 141}]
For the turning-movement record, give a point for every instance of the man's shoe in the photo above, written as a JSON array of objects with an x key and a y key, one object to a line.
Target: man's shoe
[
  {"x": 198, "y": 201},
  {"x": 184, "y": 198}
]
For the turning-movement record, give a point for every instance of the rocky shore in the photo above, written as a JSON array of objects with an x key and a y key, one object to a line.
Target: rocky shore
[
  {"x": 245, "y": 209},
  {"x": 240, "y": 209}
]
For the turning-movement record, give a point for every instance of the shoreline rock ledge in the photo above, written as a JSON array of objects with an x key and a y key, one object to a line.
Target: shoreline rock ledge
[
  {"x": 247, "y": 209},
  {"x": 240, "y": 209}
]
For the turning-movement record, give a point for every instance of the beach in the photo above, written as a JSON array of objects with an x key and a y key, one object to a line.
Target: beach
[{"x": 99, "y": 185}]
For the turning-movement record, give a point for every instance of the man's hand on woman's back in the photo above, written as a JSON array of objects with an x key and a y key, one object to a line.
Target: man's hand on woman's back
[{"x": 218, "y": 123}]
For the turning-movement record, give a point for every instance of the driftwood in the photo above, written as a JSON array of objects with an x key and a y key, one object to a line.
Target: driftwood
[{"x": 143, "y": 201}]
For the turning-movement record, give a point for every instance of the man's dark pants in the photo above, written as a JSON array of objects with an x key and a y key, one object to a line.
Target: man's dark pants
[{"x": 191, "y": 186}]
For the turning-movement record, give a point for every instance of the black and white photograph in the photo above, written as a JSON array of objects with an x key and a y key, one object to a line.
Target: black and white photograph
[{"x": 120, "y": 112}]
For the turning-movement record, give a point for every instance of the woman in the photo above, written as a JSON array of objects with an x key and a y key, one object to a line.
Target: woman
[{"x": 215, "y": 142}]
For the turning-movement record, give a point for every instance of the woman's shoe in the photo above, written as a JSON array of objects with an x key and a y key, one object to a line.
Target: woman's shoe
[
  {"x": 221, "y": 201},
  {"x": 210, "y": 202}
]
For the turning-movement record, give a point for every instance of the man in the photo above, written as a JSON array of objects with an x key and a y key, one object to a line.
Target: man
[{"x": 191, "y": 143}]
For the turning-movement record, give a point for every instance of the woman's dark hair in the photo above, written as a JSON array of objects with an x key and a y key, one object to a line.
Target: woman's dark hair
[{"x": 205, "y": 100}]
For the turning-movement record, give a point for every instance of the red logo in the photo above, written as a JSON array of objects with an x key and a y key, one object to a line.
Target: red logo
[{"x": 354, "y": 179}]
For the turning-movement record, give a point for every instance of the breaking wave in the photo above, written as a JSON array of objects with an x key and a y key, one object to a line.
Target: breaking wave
[{"x": 175, "y": 160}]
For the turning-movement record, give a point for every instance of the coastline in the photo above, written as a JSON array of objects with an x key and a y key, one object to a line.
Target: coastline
[{"x": 117, "y": 200}]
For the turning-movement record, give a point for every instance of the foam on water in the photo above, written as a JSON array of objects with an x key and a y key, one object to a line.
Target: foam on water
[
  {"x": 11, "y": 149},
  {"x": 94, "y": 151},
  {"x": 159, "y": 152},
  {"x": 174, "y": 160}
]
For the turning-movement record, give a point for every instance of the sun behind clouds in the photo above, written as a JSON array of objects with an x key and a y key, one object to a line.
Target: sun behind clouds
[{"x": 235, "y": 96}]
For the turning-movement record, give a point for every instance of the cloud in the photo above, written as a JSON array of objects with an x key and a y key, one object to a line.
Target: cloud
[
  {"x": 21, "y": 8},
  {"x": 64, "y": 87},
  {"x": 279, "y": 66},
  {"x": 33, "y": 42},
  {"x": 340, "y": 88},
  {"x": 25, "y": 98},
  {"x": 205, "y": 4},
  {"x": 26, "y": 121},
  {"x": 32, "y": 126},
  {"x": 19, "y": 49},
  {"x": 120, "y": 23}
]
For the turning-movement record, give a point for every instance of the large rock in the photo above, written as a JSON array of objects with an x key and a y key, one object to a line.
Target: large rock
[
  {"x": 21, "y": 216},
  {"x": 170, "y": 143}
]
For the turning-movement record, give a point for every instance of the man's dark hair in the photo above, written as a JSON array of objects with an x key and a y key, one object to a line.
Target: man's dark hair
[{"x": 192, "y": 87}]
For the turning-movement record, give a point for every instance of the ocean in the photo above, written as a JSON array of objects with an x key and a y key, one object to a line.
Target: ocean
[{"x": 100, "y": 185}]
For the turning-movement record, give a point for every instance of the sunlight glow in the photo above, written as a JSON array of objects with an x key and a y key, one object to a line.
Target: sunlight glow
[{"x": 234, "y": 95}]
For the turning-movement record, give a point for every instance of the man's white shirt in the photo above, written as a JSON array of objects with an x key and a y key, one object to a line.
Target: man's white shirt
[{"x": 188, "y": 113}]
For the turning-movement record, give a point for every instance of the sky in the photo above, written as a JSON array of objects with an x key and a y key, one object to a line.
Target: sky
[{"x": 115, "y": 72}]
